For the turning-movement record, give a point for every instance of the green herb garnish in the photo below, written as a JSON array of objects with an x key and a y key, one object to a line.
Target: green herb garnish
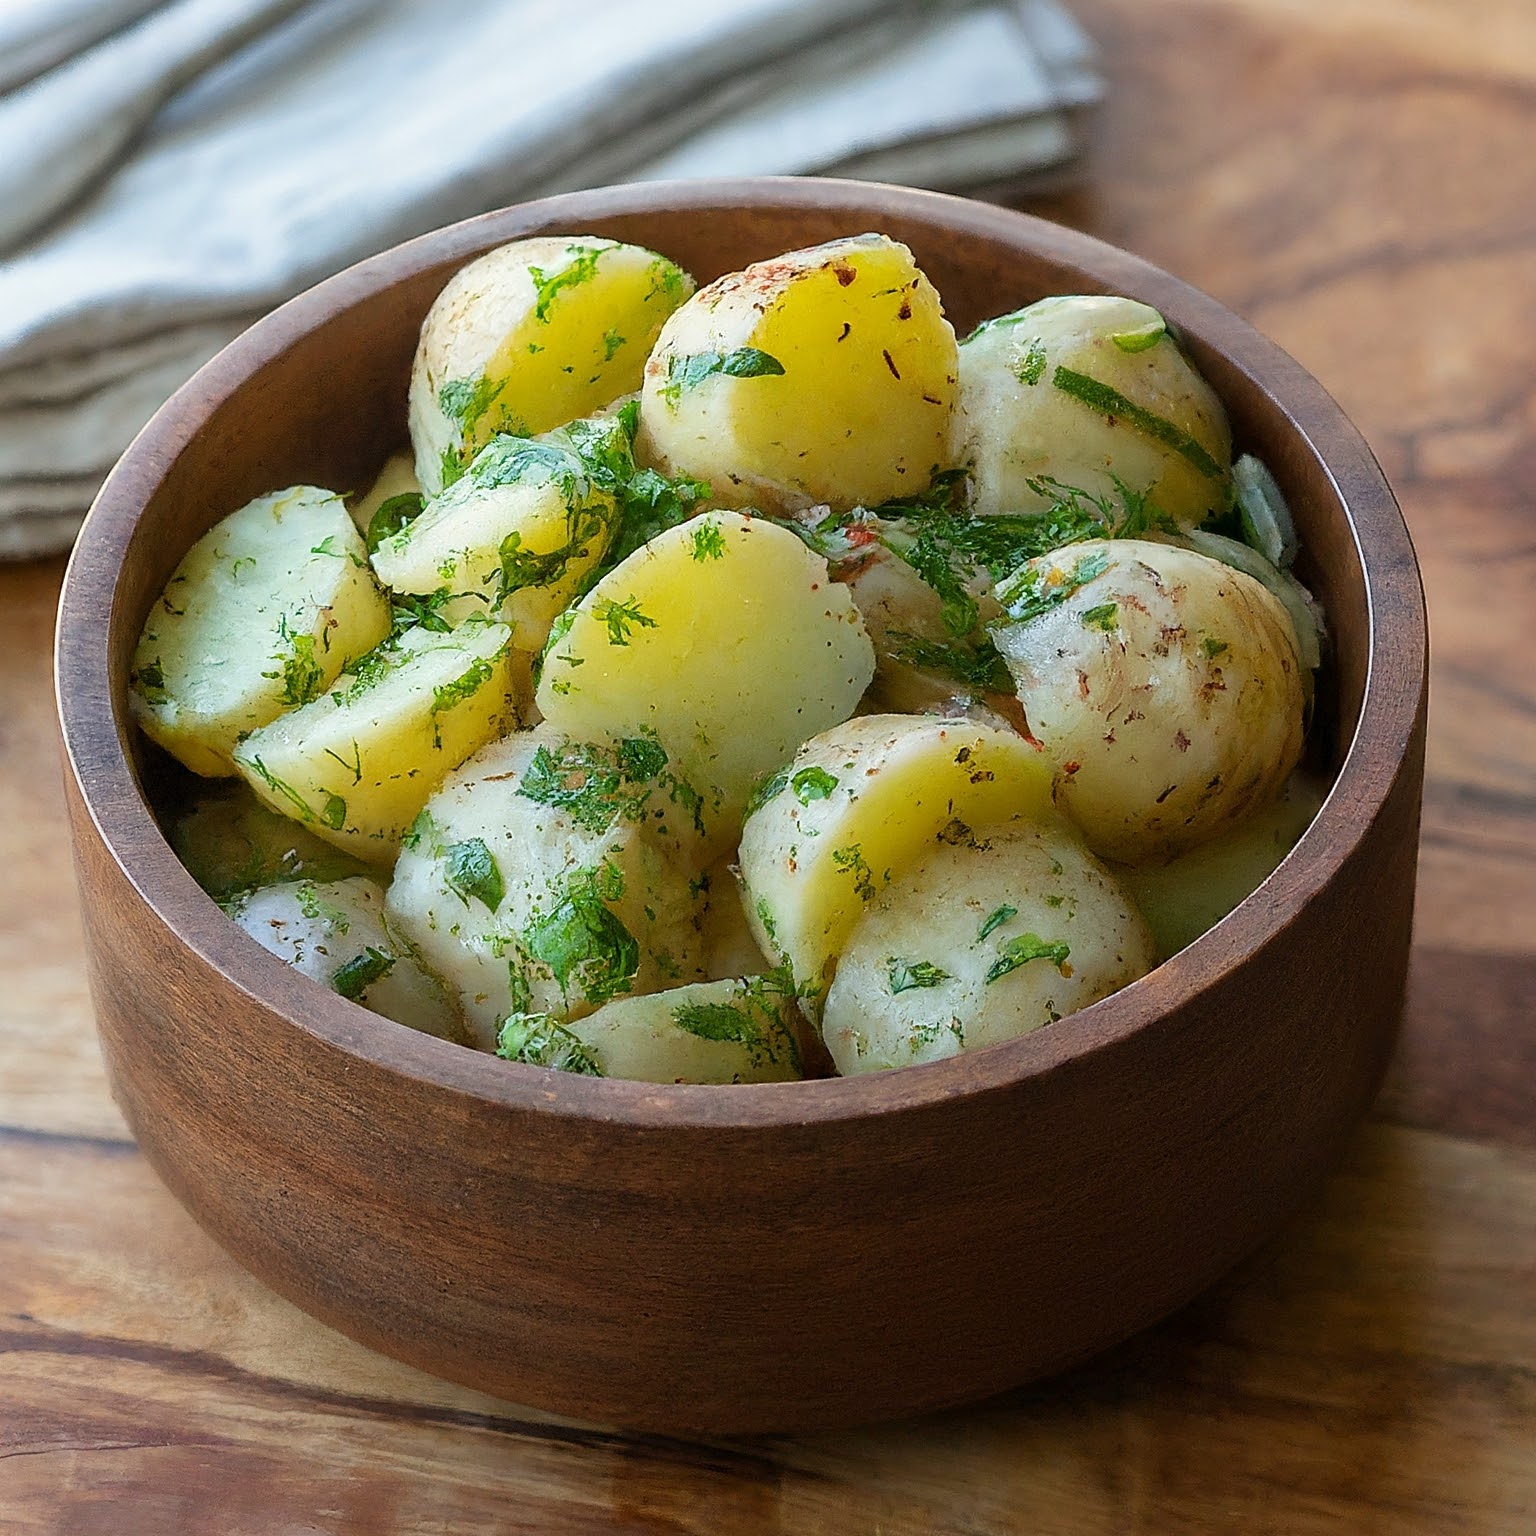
[
  {"x": 1103, "y": 398},
  {"x": 905, "y": 975},
  {"x": 473, "y": 871},
  {"x": 1020, "y": 951},
  {"x": 358, "y": 974}
]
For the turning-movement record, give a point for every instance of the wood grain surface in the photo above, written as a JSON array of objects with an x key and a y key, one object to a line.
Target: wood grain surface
[{"x": 1358, "y": 178}]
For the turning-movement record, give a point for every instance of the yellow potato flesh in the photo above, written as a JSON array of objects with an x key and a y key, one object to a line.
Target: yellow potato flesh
[
  {"x": 359, "y": 763},
  {"x": 857, "y": 806},
  {"x": 260, "y": 616},
  {"x": 724, "y": 637},
  {"x": 860, "y": 407},
  {"x": 533, "y": 334}
]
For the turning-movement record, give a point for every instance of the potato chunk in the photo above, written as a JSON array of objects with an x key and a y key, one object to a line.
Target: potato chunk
[
  {"x": 358, "y": 764},
  {"x": 1165, "y": 686},
  {"x": 260, "y": 616},
  {"x": 1184, "y": 897},
  {"x": 823, "y": 375},
  {"x": 514, "y": 538},
  {"x": 1085, "y": 390},
  {"x": 529, "y": 902},
  {"x": 736, "y": 1031},
  {"x": 980, "y": 942},
  {"x": 725, "y": 638},
  {"x": 859, "y": 804},
  {"x": 531, "y": 335},
  {"x": 339, "y": 935}
]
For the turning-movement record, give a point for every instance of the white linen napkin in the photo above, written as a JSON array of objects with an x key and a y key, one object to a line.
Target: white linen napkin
[{"x": 170, "y": 172}]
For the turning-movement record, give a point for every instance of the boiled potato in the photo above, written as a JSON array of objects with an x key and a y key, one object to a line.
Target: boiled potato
[
  {"x": 724, "y": 637},
  {"x": 1184, "y": 897},
  {"x": 527, "y": 900},
  {"x": 261, "y": 615},
  {"x": 338, "y": 934},
  {"x": 531, "y": 335},
  {"x": 397, "y": 489},
  {"x": 859, "y": 804},
  {"x": 734, "y": 1031},
  {"x": 925, "y": 656},
  {"x": 358, "y": 763},
  {"x": 1086, "y": 390},
  {"x": 231, "y": 843},
  {"x": 1165, "y": 686},
  {"x": 823, "y": 375},
  {"x": 514, "y": 538},
  {"x": 730, "y": 949},
  {"x": 978, "y": 942}
]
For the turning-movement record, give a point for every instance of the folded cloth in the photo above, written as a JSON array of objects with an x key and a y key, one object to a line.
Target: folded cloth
[{"x": 348, "y": 125}]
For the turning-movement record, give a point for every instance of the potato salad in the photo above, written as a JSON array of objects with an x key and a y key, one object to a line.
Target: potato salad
[{"x": 750, "y": 681}]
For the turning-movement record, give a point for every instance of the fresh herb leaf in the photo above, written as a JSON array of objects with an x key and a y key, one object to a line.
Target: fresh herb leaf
[
  {"x": 1102, "y": 616},
  {"x": 583, "y": 943},
  {"x": 549, "y": 285},
  {"x": 1213, "y": 647},
  {"x": 851, "y": 859},
  {"x": 1143, "y": 337},
  {"x": 905, "y": 975},
  {"x": 392, "y": 516},
  {"x": 536, "y": 1040},
  {"x": 358, "y": 974},
  {"x": 473, "y": 871},
  {"x": 150, "y": 681},
  {"x": 1110, "y": 402},
  {"x": 994, "y": 920},
  {"x": 334, "y": 815},
  {"x": 812, "y": 784},
  {"x": 708, "y": 542},
  {"x": 1020, "y": 951},
  {"x": 1036, "y": 589},
  {"x": 1031, "y": 368},
  {"x": 621, "y": 618},
  {"x": 691, "y": 371}
]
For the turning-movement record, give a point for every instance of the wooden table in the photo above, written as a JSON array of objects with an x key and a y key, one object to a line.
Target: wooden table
[{"x": 1358, "y": 177}]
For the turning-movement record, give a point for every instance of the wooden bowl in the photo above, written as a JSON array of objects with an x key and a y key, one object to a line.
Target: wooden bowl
[{"x": 765, "y": 1257}]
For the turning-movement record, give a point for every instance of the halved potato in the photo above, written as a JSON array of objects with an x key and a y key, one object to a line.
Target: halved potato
[
  {"x": 338, "y": 934},
  {"x": 1084, "y": 390},
  {"x": 1165, "y": 686},
  {"x": 735, "y": 1031},
  {"x": 514, "y": 538},
  {"x": 527, "y": 899},
  {"x": 358, "y": 763},
  {"x": 979, "y": 942},
  {"x": 1184, "y": 897},
  {"x": 725, "y": 638},
  {"x": 531, "y": 335},
  {"x": 261, "y": 615},
  {"x": 858, "y": 805},
  {"x": 823, "y": 375}
]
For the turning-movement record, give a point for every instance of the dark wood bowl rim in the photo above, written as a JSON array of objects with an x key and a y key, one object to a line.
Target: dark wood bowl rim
[{"x": 94, "y": 722}]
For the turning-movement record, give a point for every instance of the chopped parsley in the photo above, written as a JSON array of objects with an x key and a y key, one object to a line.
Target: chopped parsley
[
  {"x": 282, "y": 789},
  {"x": 708, "y": 542},
  {"x": 1035, "y": 590},
  {"x": 1143, "y": 337},
  {"x": 1102, "y": 616},
  {"x": 150, "y": 681},
  {"x": 582, "y": 942},
  {"x": 358, "y": 974},
  {"x": 621, "y": 618},
  {"x": 812, "y": 784},
  {"x": 303, "y": 676},
  {"x": 597, "y": 784},
  {"x": 691, "y": 371},
  {"x": 905, "y": 975},
  {"x": 976, "y": 665},
  {"x": 767, "y": 788},
  {"x": 851, "y": 859},
  {"x": 334, "y": 813},
  {"x": 536, "y": 1040},
  {"x": 1020, "y": 951},
  {"x": 473, "y": 871},
  {"x": 753, "y": 1019},
  {"x": 549, "y": 285},
  {"x": 994, "y": 920},
  {"x": 1031, "y": 368},
  {"x": 393, "y": 516},
  {"x": 1213, "y": 647}
]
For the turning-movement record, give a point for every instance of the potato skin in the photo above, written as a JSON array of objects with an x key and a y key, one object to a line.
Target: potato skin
[
  {"x": 978, "y": 943},
  {"x": 583, "y": 906},
  {"x": 855, "y": 807},
  {"x": 1020, "y": 420},
  {"x": 260, "y": 616},
  {"x": 323, "y": 928},
  {"x": 1165, "y": 686},
  {"x": 530, "y": 336},
  {"x": 823, "y": 375}
]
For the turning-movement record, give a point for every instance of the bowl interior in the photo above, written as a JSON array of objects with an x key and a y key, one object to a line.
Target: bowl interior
[{"x": 316, "y": 392}]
